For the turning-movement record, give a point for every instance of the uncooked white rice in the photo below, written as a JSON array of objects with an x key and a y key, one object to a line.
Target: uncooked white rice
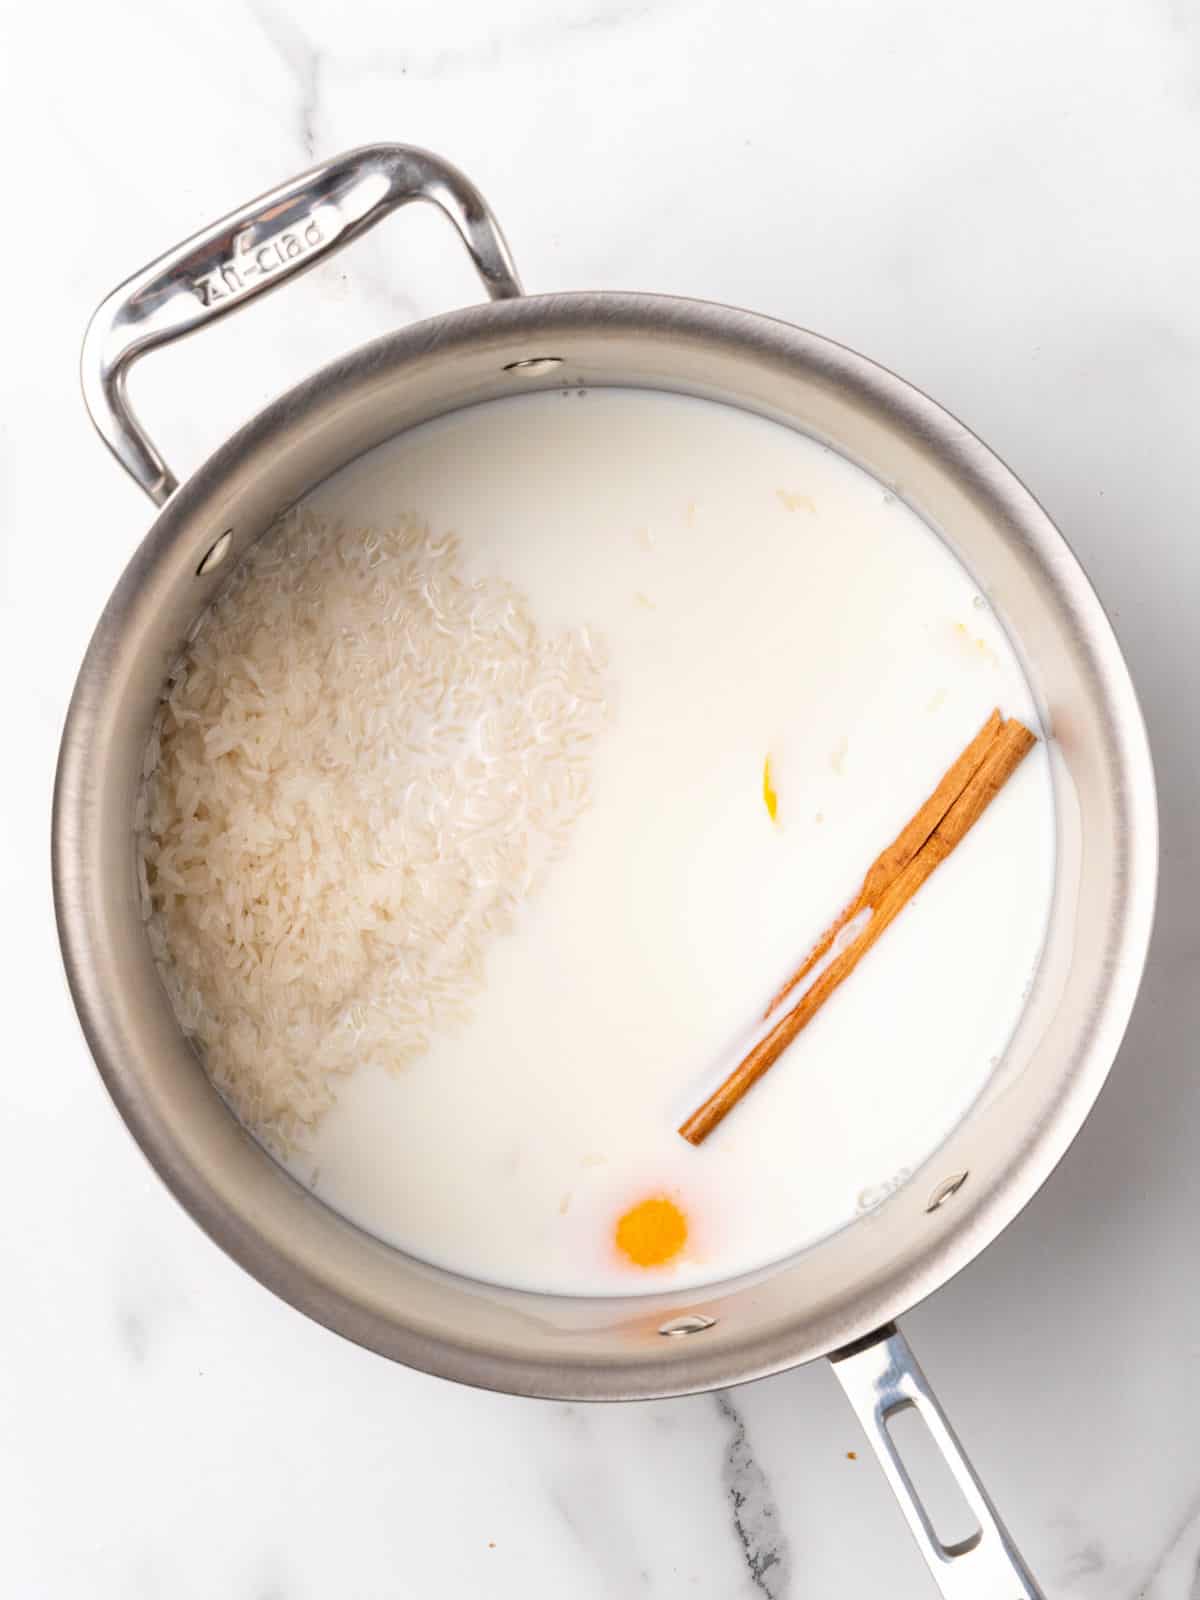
[{"x": 362, "y": 765}]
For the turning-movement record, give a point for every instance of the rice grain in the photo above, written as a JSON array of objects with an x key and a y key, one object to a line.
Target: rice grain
[{"x": 362, "y": 766}]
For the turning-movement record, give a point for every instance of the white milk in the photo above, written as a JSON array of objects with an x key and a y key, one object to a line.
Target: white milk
[{"x": 759, "y": 597}]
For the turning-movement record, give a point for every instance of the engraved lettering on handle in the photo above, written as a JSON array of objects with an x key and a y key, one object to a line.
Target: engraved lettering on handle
[
  {"x": 250, "y": 252},
  {"x": 249, "y": 262}
]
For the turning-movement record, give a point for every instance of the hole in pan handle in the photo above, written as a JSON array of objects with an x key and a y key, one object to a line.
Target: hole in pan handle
[
  {"x": 253, "y": 250},
  {"x": 881, "y": 1378}
]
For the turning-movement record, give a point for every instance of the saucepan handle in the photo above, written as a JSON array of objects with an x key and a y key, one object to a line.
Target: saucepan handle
[
  {"x": 881, "y": 1378},
  {"x": 254, "y": 250}
]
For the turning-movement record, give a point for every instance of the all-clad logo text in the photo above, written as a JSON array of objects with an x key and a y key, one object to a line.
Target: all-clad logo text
[{"x": 253, "y": 261}]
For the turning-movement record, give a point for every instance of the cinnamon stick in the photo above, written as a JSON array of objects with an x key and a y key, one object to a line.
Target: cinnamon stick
[
  {"x": 892, "y": 861},
  {"x": 1005, "y": 752}
]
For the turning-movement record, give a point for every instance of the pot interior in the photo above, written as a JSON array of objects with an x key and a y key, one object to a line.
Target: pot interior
[{"x": 904, "y": 1243}]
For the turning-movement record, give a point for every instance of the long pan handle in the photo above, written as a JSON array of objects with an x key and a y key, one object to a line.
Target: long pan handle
[{"x": 881, "y": 1378}]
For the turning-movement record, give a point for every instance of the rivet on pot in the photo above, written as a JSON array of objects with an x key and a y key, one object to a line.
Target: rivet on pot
[
  {"x": 216, "y": 554},
  {"x": 533, "y": 365},
  {"x": 692, "y": 1323},
  {"x": 943, "y": 1192}
]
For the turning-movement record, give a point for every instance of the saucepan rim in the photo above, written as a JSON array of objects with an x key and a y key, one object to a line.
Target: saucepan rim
[{"x": 534, "y": 322}]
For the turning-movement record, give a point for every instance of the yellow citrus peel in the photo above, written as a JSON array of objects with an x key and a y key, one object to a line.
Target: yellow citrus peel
[
  {"x": 770, "y": 798},
  {"x": 652, "y": 1232}
]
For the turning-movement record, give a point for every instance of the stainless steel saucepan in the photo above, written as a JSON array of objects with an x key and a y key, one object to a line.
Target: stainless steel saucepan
[{"x": 839, "y": 1297}]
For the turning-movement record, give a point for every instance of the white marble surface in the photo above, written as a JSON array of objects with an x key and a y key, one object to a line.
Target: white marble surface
[{"x": 1000, "y": 203}]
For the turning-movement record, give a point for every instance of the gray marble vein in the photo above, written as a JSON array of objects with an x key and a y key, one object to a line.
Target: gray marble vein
[
  {"x": 590, "y": 1500},
  {"x": 301, "y": 58},
  {"x": 756, "y": 1521},
  {"x": 1176, "y": 1573},
  {"x": 504, "y": 47},
  {"x": 133, "y": 1336}
]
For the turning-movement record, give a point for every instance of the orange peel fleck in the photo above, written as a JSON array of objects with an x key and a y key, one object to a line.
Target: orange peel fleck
[{"x": 652, "y": 1232}]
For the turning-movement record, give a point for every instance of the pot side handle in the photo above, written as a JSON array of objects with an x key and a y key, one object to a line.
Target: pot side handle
[
  {"x": 252, "y": 251},
  {"x": 881, "y": 1378}
]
